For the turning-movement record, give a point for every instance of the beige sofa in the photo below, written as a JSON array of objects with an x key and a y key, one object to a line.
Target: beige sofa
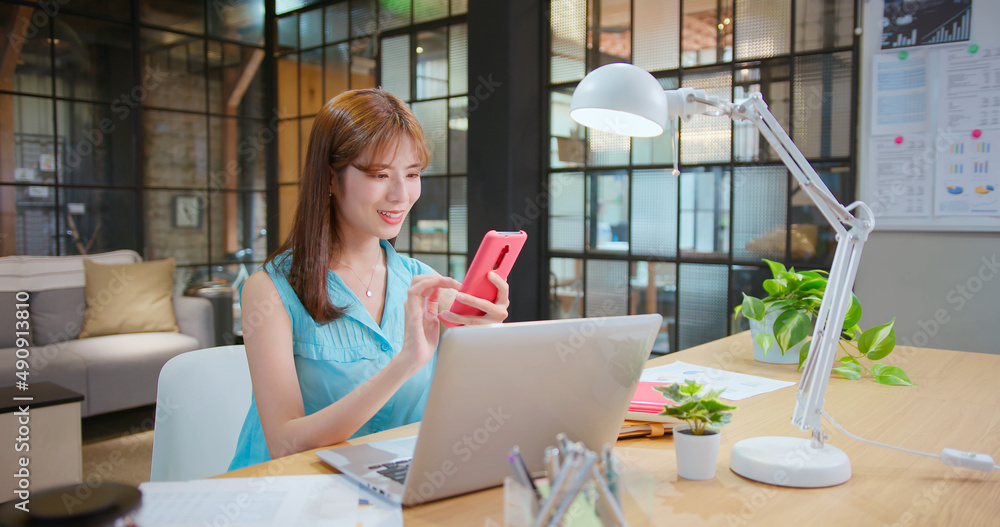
[{"x": 113, "y": 372}]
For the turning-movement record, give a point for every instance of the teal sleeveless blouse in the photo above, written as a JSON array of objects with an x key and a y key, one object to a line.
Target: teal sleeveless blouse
[{"x": 333, "y": 359}]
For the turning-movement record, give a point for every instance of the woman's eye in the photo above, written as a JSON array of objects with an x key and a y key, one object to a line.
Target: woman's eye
[
  {"x": 380, "y": 176},
  {"x": 414, "y": 176}
]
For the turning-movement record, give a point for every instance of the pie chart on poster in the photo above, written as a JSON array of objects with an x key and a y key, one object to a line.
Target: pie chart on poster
[
  {"x": 953, "y": 189},
  {"x": 984, "y": 189}
]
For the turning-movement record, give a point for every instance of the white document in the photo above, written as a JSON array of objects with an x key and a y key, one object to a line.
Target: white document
[
  {"x": 899, "y": 93},
  {"x": 900, "y": 176},
  {"x": 737, "y": 385},
  {"x": 970, "y": 88},
  {"x": 968, "y": 175},
  {"x": 326, "y": 500}
]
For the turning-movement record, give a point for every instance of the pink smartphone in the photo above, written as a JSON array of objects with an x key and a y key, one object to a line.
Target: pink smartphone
[{"x": 497, "y": 252}]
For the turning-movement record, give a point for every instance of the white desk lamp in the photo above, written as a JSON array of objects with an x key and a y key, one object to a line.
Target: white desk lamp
[{"x": 627, "y": 100}]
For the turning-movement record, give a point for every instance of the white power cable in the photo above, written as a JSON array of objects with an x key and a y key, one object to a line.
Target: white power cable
[{"x": 948, "y": 456}]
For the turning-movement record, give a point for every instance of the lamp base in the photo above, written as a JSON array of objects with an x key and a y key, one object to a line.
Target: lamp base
[{"x": 790, "y": 462}]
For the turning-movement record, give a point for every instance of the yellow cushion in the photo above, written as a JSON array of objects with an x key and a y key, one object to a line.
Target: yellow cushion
[{"x": 128, "y": 298}]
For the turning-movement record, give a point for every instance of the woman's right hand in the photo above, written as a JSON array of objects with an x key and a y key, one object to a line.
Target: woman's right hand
[{"x": 422, "y": 328}]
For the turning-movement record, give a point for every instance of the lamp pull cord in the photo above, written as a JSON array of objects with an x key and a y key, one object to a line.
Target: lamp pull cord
[{"x": 948, "y": 456}]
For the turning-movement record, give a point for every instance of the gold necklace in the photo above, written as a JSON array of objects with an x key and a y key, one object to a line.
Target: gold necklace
[{"x": 368, "y": 286}]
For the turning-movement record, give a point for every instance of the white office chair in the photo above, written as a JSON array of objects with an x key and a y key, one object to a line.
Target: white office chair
[{"x": 202, "y": 398}]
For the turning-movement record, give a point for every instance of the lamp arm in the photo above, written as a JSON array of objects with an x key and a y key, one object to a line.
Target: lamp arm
[{"x": 851, "y": 234}]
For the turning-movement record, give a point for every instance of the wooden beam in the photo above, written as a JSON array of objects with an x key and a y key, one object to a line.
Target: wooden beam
[{"x": 249, "y": 69}]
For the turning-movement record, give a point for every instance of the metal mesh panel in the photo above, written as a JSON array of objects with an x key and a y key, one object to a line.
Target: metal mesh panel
[
  {"x": 706, "y": 139},
  {"x": 458, "y": 217},
  {"x": 606, "y": 148},
  {"x": 424, "y": 10},
  {"x": 310, "y": 81},
  {"x": 567, "y": 140},
  {"x": 395, "y": 66},
  {"x": 459, "y": 7},
  {"x": 702, "y": 309},
  {"x": 335, "y": 25},
  {"x": 821, "y": 105},
  {"x": 657, "y": 34},
  {"x": 569, "y": 39},
  {"x": 704, "y": 214},
  {"x": 653, "y": 289},
  {"x": 458, "y": 59},
  {"x": 566, "y": 211},
  {"x": 311, "y": 28},
  {"x": 458, "y": 135},
  {"x": 288, "y": 32},
  {"x": 336, "y": 69},
  {"x": 438, "y": 262},
  {"x": 763, "y": 28},
  {"x": 565, "y": 287},
  {"x": 457, "y": 264},
  {"x": 394, "y": 14},
  {"x": 607, "y": 224},
  {"x": 759, "y": 205},
  {"x": 430, "y": 216},
  {"x": 821, "y": 24},
  {"x": 606, "y": 288},
  {"x": 433, "y": 117},
  {"x": 654, "y": 213},
  {"x": 363, "y": 17}
]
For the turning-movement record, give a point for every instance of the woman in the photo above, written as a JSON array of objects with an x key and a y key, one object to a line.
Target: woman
[{"x": 340, "y": 330}]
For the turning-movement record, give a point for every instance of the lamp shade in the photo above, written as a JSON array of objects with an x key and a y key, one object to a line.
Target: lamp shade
[{"x": 621, "y": 99}]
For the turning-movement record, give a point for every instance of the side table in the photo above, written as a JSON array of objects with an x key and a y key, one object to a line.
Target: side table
[{"x": 54, "y": 437}]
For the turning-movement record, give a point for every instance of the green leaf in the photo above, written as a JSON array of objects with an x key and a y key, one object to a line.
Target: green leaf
[
  {"x": 774, "y": 287},
  {"x": 803, "y": 355},
  {"x": 765, "y": 341},
  {"x": 753, "y": 308},
  {"x": 849, "y": 371},
  {"x": 813, "y": 284},
  {"x": 790, "y": 328},
  {"x": 853, "y": 313},
  {"x": 847, "y": 359},
  {"x": 877, "y": 342},
  {"x": 851, "y": 333},
  {"x": 776, "y": 268},
  {"x": 893, "y": 376}
]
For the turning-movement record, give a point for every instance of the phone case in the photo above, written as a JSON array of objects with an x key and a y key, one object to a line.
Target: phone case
[{"x": 497, "y": 252}]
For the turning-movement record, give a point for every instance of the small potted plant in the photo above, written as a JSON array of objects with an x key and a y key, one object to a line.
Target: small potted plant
[
  {"x": 696, "y": 444},
  {"x": 781, "y": 321}
]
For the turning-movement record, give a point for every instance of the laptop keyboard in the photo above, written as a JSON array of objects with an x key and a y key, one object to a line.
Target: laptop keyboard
[{"x": 395, "y": 470}]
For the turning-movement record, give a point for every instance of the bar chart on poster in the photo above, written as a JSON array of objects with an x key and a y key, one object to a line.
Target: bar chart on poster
[{"x": 930, "y": 115}]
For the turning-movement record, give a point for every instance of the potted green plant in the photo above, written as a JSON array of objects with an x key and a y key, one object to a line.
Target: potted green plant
[
  {"x": 696, "y": 444},
  {"x": 781, "y": 321}
]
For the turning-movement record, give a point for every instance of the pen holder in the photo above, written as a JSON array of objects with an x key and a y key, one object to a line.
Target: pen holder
[{"x": 521, "y": 507}]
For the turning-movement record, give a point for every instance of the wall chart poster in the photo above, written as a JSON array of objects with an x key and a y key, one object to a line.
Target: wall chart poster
[
  {"x": 920, "y": 23},
  {"x": 967, "y": 184}
]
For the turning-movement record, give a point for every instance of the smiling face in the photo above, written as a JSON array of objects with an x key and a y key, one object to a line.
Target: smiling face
[{"x": 376, "y": 192}]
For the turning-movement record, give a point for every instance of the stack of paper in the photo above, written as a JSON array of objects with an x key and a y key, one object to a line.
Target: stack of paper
[{"x": 328, "y": 500}]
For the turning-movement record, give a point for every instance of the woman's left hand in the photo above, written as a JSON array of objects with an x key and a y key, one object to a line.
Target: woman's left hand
[{"x": 494, "y": 312}]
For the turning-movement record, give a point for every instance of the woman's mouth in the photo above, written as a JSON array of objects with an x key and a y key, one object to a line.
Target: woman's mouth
[{"x": 392, "y": 217}]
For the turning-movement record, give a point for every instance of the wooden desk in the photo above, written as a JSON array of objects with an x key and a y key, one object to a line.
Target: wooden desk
[{"x": 957, "y": 404}]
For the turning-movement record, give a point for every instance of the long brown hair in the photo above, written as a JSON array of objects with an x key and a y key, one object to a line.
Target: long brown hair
[{"x": 353, "y": 124}]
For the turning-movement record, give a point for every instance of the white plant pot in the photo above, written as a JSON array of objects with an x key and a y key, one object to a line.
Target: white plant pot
[
  {"x": 774, "y": 355},
  {"x": 697, "y": 456}
]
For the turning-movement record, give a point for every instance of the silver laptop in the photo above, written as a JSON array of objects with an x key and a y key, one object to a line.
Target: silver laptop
[{"x": 503, "y": 385}]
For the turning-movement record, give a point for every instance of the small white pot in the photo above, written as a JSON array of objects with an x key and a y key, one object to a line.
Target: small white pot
[
  {"x": 774, "y": 355},
  {"x": 697, "y": 456}
]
